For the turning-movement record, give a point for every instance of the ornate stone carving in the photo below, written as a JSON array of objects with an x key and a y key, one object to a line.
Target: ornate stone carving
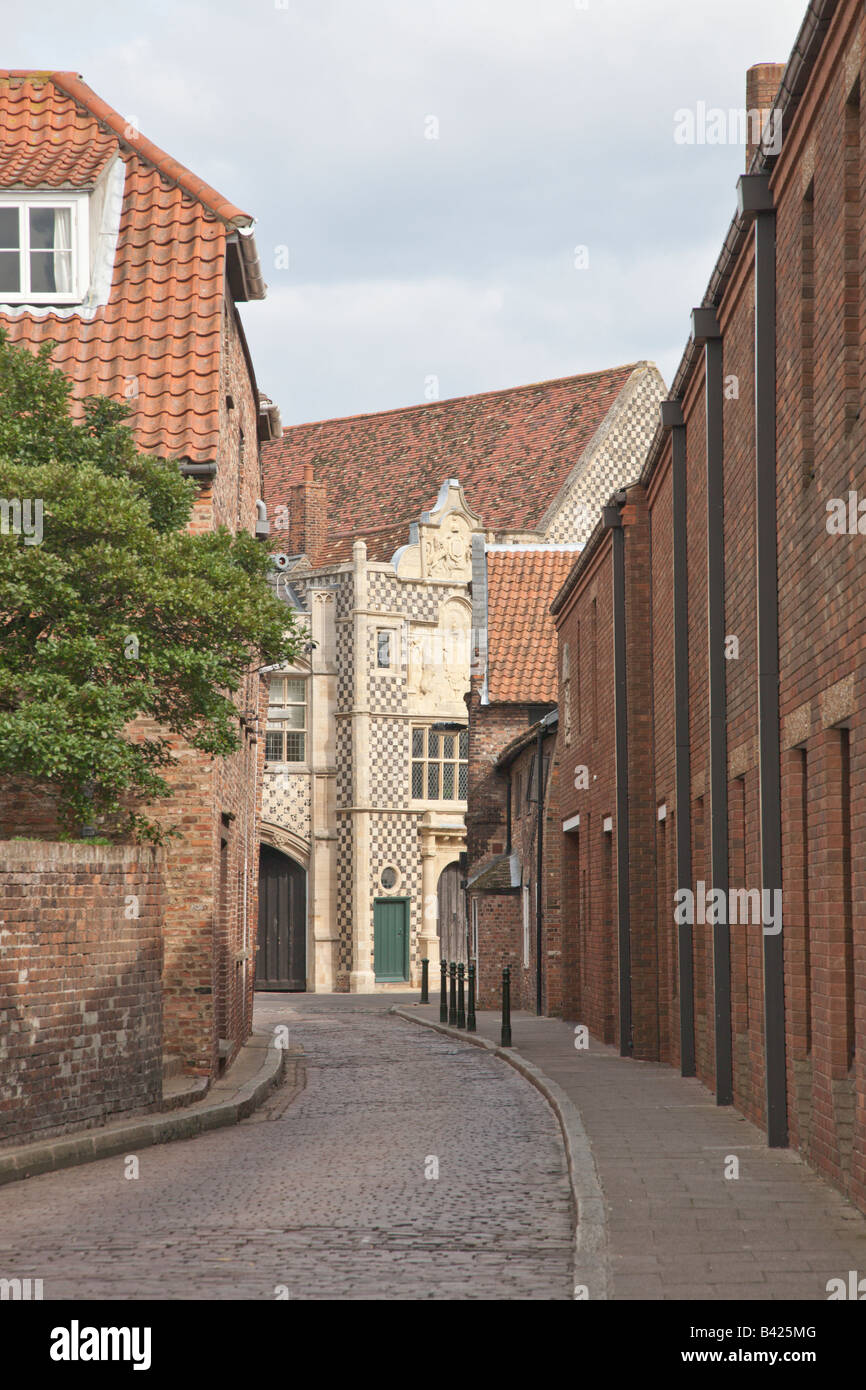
[{"x": 448, "y": 551}]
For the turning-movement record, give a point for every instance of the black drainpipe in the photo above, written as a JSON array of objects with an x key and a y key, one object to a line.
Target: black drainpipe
[
  {"x": 613, "y": 522},
  {"x": 754, "y": 198},
  {"x": 539, "y": 866},
  {"x": 543, "y": 729},
  {"x": 706, "y": 330},
  {"x": 673, "y": 419}
]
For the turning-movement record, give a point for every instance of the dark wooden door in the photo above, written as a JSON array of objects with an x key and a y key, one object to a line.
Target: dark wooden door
[
  {"x": 281, "y": 950},
  {"x": 391, "y": 939},
  {"x": 452, "y": 914}
]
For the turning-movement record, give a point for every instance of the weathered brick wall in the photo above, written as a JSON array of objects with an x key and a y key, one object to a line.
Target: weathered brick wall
[
  {"x": 491, "y": 727},
  {"x": 524, "y": 837},
  {"x": 587, "y": 781},
  {"x": 818, "y": 186},
  {"x": 27, "y": 808},
  {"x": 500, "y": 916},
  {"x": 585, "y": 623},
  {"x": 660, "y": 508},
  {"x": 737, "y": 320},
  {"x": 80, "y": 1010},
  {"x": 500, "y": 938},
  {"x": 212, "y": 873},
  {"x": 821, "y": 321},
  {"x": 696, "y": 550}
]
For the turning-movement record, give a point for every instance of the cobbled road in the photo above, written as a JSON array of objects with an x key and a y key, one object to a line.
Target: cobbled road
[{"x": 329, "y": 1197}]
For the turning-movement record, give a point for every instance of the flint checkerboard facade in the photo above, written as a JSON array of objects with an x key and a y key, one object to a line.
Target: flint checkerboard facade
[{"x": 347, "y": 814}]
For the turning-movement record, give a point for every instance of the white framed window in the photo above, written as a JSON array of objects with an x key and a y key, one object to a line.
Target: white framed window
[
  {"x": 384, "y": 648},
  {"x": 439, "y": 764},
  {"x": 286, "y": 733},
  {"x": 44, "y": 247},
  {"x": 526, "y": 926}
]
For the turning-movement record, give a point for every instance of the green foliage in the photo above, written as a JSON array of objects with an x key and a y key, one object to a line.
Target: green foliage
[{"x": 120, "y": 613}]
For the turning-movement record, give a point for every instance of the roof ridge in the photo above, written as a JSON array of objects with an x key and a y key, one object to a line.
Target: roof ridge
[
  {"x": 73, "y": 85},
  {"x": 468, "y": 396},
  {"x": 546, "y": 547}
]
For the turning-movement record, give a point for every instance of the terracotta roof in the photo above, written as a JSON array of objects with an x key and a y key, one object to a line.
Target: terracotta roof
[
  {"x": 512, "y": 451},
  {"x": 162, "y": 326},
  {"x": 382, "y": 541},
  {"x": 521, "y": 637}
]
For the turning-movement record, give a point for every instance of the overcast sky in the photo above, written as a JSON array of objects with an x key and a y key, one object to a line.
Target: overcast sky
[{"x": 418, "y": 263}]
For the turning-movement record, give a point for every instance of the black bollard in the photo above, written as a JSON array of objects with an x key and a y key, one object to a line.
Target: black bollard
[
  {"x": 443, "y": 991},
  {"x": 452, "y": 996},
  {"x": 470, "y": 1011},
  {"x": 425, "y": 981},
  {"x": 461, "y": 997},
  {"x": 505, "y": 1039}
]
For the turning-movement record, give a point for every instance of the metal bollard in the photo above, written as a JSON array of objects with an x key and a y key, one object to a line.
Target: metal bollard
[
  {"x": 505, "y": 1039},
  {"x": 452, "y": 996},
  {"x": 470, "y": 1011},
  {"x": 461, "y": 997},
  {"x": 425, "y": 981},
  {"x": 443, "y": 991}
]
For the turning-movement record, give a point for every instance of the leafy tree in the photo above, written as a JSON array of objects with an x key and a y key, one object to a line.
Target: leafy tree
[{"x": 117, "y": 613}]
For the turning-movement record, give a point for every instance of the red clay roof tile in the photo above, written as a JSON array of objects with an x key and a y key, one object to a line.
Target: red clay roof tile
[
  {"x": 521, "y": 637},
  {"x": 160, "y": 333},
  {"x": 511, "y": 450}
]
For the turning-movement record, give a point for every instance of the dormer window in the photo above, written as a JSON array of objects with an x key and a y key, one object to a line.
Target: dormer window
[{"x": 44, "y": 248}]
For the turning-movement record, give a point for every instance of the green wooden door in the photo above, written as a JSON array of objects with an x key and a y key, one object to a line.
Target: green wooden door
[{"x": 391, "y": 939}]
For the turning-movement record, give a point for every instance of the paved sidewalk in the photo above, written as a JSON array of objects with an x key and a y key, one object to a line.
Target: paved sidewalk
[{"x": 677, "y": 1228}]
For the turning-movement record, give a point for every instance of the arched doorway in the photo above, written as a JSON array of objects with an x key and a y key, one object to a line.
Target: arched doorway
[
  {"x": 281, "y": 948},
  {"x": 451, "y": 903}
]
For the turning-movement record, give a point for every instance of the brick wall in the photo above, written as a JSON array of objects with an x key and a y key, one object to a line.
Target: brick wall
[
  {"x": 500, "y": 915},
  {"x": 588, "y": 869},
  {"x": 817, "y": 185},
  {"x": 80, "y": 1012},
  {"x": 211, "y": 873}
]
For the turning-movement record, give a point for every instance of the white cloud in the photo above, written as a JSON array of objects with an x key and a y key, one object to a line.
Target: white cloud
[{"x": 449, "y": 256}]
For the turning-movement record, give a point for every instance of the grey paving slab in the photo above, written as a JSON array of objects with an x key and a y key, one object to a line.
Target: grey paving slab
[{"x": 659, "y": 1144}]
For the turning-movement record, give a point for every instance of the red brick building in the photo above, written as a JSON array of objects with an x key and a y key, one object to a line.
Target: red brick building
[
  {"x": 134, "y": 268},
  {"x": 723, "y": 720},
  {"x": 513, "y": 774}
]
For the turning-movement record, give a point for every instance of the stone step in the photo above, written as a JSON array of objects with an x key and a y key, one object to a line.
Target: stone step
[{"x": 183, "y": 1090}]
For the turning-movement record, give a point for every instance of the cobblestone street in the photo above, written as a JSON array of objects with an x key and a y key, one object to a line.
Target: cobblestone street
[{"x": 328, "y": 1197}]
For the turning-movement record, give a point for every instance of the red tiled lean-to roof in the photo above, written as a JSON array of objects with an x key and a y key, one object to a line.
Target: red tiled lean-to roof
[
  {"x": 521, "y": 637},
  {"x": 160, "y": 333},
  {"x": 511, "y": 450}
]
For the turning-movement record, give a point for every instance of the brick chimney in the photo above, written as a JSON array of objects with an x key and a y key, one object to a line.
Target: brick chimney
[
  {"x": 308, "y": 522},
  {"x": 762, "y": 87}
]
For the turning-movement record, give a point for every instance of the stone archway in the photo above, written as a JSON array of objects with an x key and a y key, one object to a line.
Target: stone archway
[{"x": 281, "y": 944}]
